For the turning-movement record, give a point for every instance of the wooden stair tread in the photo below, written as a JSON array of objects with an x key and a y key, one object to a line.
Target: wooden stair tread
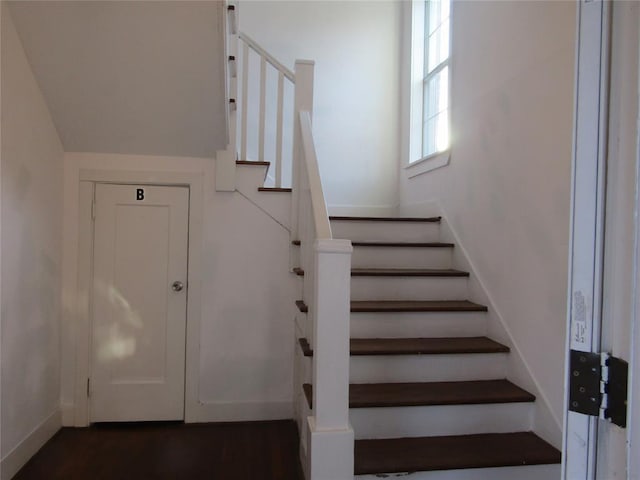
[
  {"x": 387, "y": 219},
  {"x": 425, "y": 346},
  {"x": 452, "y": 452},
  {"x": 274, "y": 189},
  {"x": 416, "y": 306},
  {"x": 394, "y": 244},
  {"x": 307, "y": 351},
  {"x": 417, "y": 346},
  {"x": 477, "y": 392},
  {"x": 404, "y": 244},
  {"x": 436, "y": 393},
  {"x": 250, "y": 162},
  {"x": 408, "y": 306},
  {"x": 407, "y": 272},
  {"x": 400, "y": 272}
]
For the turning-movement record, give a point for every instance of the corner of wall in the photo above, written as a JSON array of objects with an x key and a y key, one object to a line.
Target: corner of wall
[
  {"x": 67, "y": 414},
  {"x": 20, "y": 455},
  {"x": 32, "y": 169}
]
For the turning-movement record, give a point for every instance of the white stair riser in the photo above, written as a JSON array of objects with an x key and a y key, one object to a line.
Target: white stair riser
[
  {"x": 303, "y": 325},
  {"x": 427, "y": 368},
  {"x": 427, "y": 421},
  {"x": 302, "y": 371},
  {"x": 302, "y": 411},
  {"x": 415, "y": 368},
  {"x": 401, "y": 257},
  {"x": 529, "y": 472},
  {"x": 249, "y": 177},
  {"x": 408, "y": 288},
  {"x": 386, "y": 231},
  {"x": 295, "y": 257},
  {"x": 418, "y": 324},
  {"x": 299, "y": 286}
]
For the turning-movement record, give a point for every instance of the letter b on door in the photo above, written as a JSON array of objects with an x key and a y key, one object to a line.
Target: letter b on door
[{"x": 139, "y": 194}]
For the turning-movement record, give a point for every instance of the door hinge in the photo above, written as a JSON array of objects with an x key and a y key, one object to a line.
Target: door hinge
[
  {"x": 598, "y": 386},
  {"x": 88, "y": 387}
]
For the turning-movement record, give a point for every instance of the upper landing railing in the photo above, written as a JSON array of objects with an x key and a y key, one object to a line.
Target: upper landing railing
[{"x": 266, "y": 62}]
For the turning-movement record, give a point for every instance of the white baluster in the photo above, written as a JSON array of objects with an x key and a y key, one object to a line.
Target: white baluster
[
  {"x": 245, "y": 101},
  {"x": 263, "y": 100},
  {"x": 280, "y": 106}
]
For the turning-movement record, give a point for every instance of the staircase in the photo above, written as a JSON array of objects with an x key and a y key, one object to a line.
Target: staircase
[
  {"x": 428, "y": 394},
  {"x": 419, "y": 383}
]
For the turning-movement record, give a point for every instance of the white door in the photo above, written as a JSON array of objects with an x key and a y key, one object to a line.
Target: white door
[{"x": 139, "y": 303}]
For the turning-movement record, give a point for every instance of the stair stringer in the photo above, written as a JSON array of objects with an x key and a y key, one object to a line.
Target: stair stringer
[
  {"x": 275, "y": 204},
  {"x": 546, "y": 424},
  {"x": 302, "y": 374}
]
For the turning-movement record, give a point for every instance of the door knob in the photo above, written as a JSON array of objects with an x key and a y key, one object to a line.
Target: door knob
[{"x": 177, "y": 286}]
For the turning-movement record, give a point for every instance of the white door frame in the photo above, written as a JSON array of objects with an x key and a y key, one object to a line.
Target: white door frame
[
  {"x": 633, "y": 414},
  {"x": 82, "y": 320},
  {"x": 586, "y": 251}
]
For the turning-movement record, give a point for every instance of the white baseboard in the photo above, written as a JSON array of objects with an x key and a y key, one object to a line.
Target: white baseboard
[
  {"x": 27, "y": 448},
  {"x": 546, "y": 423},
  {"x": 363, "y": 210},
  {"x": 329, "y": 452},
  {"x": 203, "y": 412}
]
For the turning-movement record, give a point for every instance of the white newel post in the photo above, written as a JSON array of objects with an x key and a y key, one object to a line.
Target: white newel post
[
  {"x": 303, "y": 100},
  {"x": 330, "y": 436}
]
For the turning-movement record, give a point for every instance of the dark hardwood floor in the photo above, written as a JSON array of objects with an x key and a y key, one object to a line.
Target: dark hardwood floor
[{"x": 217, "y": 451}]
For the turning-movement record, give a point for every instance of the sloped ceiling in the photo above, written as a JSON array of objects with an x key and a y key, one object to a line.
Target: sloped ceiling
[{"x": 137, "y": 77}]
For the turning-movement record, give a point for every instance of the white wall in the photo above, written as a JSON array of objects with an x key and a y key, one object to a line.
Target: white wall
[
  {"x": 356, "y": 47},
  {"x": 130, "y": 77},
  {"x": 31, "y": 258},
  {"x": 506, "y": 190},
  {"x": 244, "y": 368}
]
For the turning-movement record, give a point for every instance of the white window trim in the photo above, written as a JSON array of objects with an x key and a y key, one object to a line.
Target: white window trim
[
  {"x": 412, "y": 94},
  {"x": 428, "y": 163}
]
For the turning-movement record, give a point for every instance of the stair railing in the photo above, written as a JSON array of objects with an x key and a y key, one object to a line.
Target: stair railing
[
  {"x": 326, "y": 261},
  {"x": 327, "y": 265},
  {"x": 285, "y": 81},
  {"x": 260, "y": 92}
]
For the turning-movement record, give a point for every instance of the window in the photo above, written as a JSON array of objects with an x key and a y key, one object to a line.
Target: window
[
  {"x": 435, "y": 113},
  {"x": 427, "y": 96}
]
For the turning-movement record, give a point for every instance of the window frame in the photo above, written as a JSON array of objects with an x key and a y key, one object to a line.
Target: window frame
[{"x": 414, "y": 87}]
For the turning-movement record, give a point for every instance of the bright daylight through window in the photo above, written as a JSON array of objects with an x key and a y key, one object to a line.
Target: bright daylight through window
[{"x": 435, "y": 113}]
